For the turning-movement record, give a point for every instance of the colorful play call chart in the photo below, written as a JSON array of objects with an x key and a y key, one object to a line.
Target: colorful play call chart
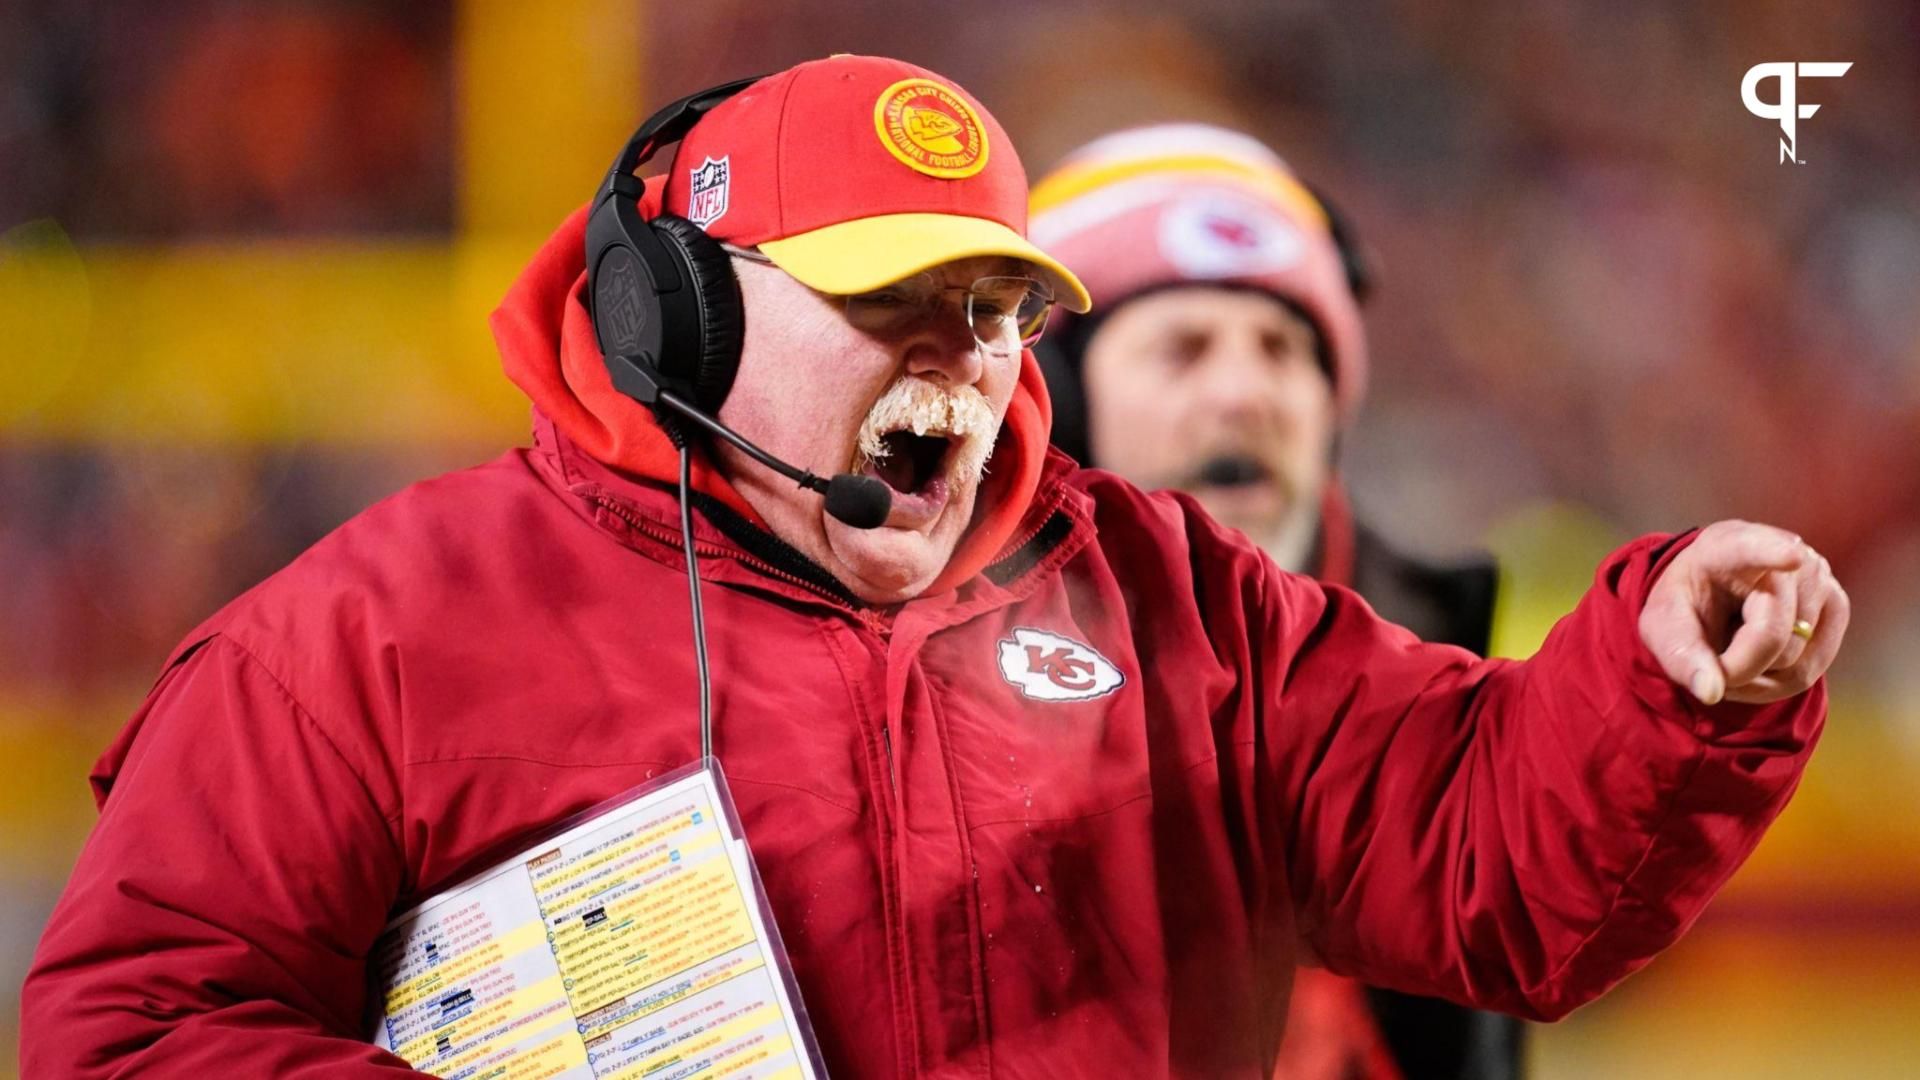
[{"x": 634, "y": 944}]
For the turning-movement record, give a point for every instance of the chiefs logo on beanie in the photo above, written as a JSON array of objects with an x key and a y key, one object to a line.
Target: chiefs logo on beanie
[{"x": 1170, "y": 204}]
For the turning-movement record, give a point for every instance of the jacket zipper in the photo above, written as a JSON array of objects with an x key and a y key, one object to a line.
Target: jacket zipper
[
  {"x": 893, "y": 916},
  {"x": 1009, "y": 550},
  {"x": 655, "y": 532},
  {"x": 1013, "y": 547},
  {"x": 886, "y": 740},
  {"x": 866, "y": 619}
]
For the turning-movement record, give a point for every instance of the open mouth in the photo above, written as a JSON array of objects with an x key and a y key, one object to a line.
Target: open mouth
[
  {"x": 927, "y": 443},
  {"x": 909, "y": 462},
  {"x": 1231, "y": 470}
]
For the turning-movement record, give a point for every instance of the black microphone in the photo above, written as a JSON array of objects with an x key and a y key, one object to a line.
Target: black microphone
[{"x": 860, "y": 501}]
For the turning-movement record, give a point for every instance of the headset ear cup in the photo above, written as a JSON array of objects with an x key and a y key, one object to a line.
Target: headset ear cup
[{"x": 718, "y": 313}]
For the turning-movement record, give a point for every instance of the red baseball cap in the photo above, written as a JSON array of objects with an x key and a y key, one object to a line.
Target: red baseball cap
[{"x": 856, "y": 171}]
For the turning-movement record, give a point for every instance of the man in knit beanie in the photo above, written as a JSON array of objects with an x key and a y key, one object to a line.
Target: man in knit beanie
[{"x": 1225, "y": 358}]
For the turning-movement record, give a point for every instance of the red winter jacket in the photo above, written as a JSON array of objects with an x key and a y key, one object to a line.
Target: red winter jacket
[{"x": 986, "y": 857}]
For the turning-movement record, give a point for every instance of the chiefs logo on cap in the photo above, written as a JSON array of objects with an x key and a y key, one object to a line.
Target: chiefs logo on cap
[{"x": 930, "y": 129}]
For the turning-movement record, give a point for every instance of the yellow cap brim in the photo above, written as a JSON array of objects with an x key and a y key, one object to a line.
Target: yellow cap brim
[{"x": 869, "y": 253}]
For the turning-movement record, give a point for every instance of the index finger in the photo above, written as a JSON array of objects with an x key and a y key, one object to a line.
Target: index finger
[{"x": 1736, "y": 553}]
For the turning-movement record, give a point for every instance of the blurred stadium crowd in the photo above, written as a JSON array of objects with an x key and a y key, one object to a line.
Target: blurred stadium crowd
[{"x": 245, "y": 252}]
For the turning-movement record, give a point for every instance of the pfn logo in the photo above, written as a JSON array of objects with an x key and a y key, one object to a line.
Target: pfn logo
[
  {"x": 1787, "y": 110},
  {"x": 1048, "y": 667}
]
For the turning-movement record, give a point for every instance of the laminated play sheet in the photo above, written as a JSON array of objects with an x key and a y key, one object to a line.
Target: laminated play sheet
[{"x": 634, "y": 943}]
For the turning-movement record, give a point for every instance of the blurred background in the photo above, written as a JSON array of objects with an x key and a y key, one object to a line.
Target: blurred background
[{"x": 247, "y": 251}]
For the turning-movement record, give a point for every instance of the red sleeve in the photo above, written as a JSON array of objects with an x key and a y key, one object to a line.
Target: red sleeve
[
  {"x": 1513, "y": 836},
  {"x": 219, "y": 918}
]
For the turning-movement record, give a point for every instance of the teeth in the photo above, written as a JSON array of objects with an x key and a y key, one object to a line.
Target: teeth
[
  {"x": 913, "y": 404},
  {"x": 922, "y": 427}
]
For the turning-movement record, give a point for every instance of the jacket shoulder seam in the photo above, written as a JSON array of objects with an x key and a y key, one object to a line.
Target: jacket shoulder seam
[{"x": 391, "y": 818}]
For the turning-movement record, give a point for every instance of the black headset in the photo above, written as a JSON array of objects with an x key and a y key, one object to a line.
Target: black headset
[
  {"x": 665, "y": 304},
  {"x": 667, "y": 313}
]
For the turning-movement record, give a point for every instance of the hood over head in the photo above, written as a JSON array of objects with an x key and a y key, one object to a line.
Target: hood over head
[{"x": 547, "y": 348}]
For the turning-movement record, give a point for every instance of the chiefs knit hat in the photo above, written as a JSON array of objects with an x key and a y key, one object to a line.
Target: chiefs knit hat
[
  {"x": 856, "y": 171},
  {"x": 1151, "y": 207}
]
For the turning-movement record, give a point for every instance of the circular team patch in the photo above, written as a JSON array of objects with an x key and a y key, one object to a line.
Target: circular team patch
[{"x": 931, "y": 129}]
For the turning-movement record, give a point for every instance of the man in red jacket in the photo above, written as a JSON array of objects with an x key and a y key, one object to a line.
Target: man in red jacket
[{"x": 1045, "y": 777}]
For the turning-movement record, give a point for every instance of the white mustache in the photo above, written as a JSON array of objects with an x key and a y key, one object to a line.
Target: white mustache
[{"x": 926, "y": 408}]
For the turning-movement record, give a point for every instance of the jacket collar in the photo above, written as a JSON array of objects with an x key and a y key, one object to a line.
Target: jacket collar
[{"x": 643, "y": 513}]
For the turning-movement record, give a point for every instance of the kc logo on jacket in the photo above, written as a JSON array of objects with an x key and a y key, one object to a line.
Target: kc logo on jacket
[{"x": 1048, "y": 667}]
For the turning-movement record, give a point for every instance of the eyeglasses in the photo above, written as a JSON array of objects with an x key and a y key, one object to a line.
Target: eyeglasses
[{"x": 1007, "y": 312}]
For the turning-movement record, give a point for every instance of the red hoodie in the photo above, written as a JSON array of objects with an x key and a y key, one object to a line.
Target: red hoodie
[{"x": 1076, "y": 816}]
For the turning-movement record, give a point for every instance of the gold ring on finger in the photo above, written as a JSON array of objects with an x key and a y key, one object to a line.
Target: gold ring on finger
[{"x": 1803, "y": 629}]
